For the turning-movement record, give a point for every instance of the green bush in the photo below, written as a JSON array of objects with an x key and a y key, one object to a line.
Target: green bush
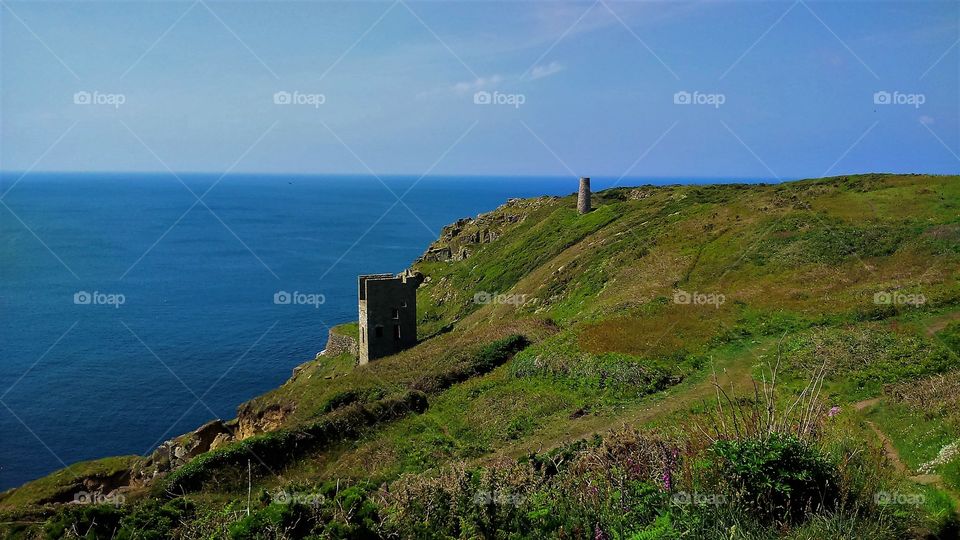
[
  {"x": 154, "y": 520},
  {"x": 779, "y": 478},
  {"x": 276, "y": 520}
]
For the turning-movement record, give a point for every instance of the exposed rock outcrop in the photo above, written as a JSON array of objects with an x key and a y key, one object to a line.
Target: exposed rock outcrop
[
  {"x": 457, "y": 238},
  {"x": 91, "y": 489},
  {"x": 176, "y": 452},
  {"x": 250, "y": 423}
]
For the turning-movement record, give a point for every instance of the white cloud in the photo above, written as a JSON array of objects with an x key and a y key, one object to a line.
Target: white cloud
[{"x": 539, "y": 72}]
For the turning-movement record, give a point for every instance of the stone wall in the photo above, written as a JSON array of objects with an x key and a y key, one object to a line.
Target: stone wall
[{"x": 338, "y": 344}]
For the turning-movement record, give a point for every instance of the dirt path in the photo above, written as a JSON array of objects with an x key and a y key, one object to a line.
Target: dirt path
[
  {"x": 940, "y": 323},
  {"x": 891, "y": 451},
  {"x": 866, "y": 404}
]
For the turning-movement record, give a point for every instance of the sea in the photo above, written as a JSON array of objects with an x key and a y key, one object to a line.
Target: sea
[{"x": 136, "y": 307}]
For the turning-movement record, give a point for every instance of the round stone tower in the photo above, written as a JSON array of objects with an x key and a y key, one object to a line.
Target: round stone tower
[{"x": 583, "y": 196}]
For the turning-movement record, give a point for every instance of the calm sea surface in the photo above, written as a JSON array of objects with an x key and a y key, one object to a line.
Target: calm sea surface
[{"x": 197, "y": 320}]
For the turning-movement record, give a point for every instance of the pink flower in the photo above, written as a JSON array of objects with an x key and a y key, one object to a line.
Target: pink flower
[{"x": 833, "y": 411}]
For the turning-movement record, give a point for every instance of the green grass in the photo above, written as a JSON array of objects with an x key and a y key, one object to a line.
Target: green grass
[
  {"x": 917, "y": 439},
  {"x": 951, "y": 474},
  {"x": 350, "y": 329}
]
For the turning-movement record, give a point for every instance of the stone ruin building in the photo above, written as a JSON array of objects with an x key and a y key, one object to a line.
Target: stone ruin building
[{"x": 388, "y": 314}]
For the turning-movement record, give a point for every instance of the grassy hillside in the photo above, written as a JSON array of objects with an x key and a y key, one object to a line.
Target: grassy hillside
[{"x": 736, "y": 361}]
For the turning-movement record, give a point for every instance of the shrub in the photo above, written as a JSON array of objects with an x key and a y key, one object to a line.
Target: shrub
[
  {"x": 605, "y": 488},
  {"x": 154, "y": 520},
  {"x": 274, "y": 521},
  {"x": 84, "y": 521},
  {"x": 780, "y": 477}
]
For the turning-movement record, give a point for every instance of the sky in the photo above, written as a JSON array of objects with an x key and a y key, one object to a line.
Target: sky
[{"x": 620, "y": 89}]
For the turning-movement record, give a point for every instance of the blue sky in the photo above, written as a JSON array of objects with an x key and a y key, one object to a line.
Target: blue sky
[{"x": 776, "y": 89}]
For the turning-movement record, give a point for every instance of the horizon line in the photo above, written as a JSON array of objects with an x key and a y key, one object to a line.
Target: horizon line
[{"x": 24, "y": 173}]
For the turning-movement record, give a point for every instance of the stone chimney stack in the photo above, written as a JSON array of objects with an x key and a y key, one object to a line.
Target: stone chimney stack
[{"x": 583, "y": 197}]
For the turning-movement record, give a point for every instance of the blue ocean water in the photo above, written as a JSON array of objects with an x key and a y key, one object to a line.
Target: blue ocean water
[{"x": 198, "y": 331}]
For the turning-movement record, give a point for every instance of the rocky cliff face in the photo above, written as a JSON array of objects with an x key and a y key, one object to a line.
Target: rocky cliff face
[
  {"x": 252, "y": 422},
  {"x": 178, "y": 451},
  {"x": 457, "y": 239}
]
